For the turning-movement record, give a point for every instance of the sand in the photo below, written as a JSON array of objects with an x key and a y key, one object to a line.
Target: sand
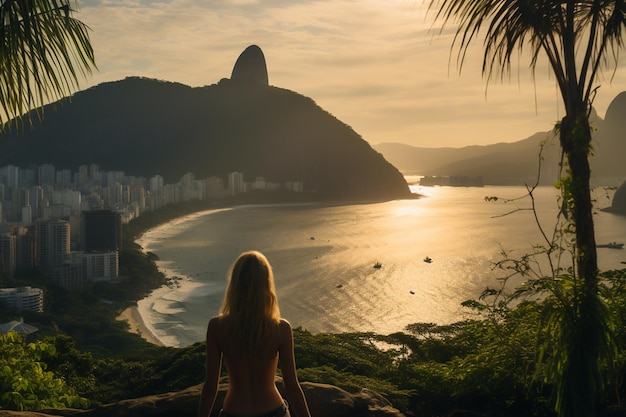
[{"x": 133, "y": 318}]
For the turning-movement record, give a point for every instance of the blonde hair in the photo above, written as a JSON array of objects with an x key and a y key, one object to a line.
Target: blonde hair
[{"x": 251, "y": 304}]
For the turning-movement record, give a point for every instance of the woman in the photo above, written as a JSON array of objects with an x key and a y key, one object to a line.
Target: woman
[{"x": 251, "y": 337}]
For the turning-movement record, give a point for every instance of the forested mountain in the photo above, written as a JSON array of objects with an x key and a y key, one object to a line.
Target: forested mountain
[
  {"x": 147, "y": 127},
  {"x": 518, "y": 162}
]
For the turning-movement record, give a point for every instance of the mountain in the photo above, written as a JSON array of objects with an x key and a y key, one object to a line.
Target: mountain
[
  {"x": 518, "y": 162},
  {"x": 498, "y": 164},
  {"x": 610, "y": 146},
  {"x": 146, "y": 127}
]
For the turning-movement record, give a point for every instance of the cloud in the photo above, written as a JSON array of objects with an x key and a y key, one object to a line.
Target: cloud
[{"x": 383, "y": 68}]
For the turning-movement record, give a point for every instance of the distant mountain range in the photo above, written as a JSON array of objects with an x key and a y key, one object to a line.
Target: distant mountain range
[
  {"x": 518, "y": 162},
  {"x": 146, "y": 127}
]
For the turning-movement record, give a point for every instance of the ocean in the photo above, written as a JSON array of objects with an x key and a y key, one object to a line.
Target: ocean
[{"x": 323, "y": 256}]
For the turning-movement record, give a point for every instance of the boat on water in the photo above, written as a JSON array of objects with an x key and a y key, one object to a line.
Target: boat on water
[
  {"x": 378, "y": 265},
  {"x": 612, "y": 245}
]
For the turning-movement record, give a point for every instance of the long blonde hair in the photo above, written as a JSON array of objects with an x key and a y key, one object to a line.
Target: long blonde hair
[{"x": 251, "y": 304}]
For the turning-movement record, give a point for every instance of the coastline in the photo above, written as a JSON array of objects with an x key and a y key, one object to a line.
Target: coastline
[
  {"x": 347, "y": 284},
  {"x": 138, "y": 317},
  {"x": 136, "y": 325}
]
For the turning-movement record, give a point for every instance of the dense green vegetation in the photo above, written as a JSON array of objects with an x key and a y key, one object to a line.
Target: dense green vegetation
[
  {"x": 489, "y": 365},
  {"x": 578, "y": 39}
]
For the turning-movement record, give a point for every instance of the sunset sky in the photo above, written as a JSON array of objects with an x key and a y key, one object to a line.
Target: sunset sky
[{"x": 379, "y": 66}]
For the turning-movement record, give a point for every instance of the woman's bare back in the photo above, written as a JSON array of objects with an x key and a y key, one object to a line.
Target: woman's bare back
[
  {"x": 251, "y": 337},
  {"x": 251, "y": 387}
]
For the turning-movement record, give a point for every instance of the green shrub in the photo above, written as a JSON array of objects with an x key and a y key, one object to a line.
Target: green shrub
[{"x": 24, "y": 382}]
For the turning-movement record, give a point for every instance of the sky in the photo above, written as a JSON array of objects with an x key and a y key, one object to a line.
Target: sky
[{"x": 382, "y": 67}]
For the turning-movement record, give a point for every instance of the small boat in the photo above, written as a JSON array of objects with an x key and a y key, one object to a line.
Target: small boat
[
  {"x": 612, "y": 245},
  {"x": 378, "y": 265},
  {"x": 428, "y": 259}
]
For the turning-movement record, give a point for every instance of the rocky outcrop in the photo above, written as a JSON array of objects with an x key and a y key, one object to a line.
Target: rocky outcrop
[
  {"x": 618, "y": 206},
  {"x": 251, "y": 67},
  {"x": 324, "y": 400}
]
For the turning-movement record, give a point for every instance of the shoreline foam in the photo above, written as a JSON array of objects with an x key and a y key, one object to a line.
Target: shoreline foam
[
  {"x": 136, "y": 325},
  {"x": 138, "y": 320}
]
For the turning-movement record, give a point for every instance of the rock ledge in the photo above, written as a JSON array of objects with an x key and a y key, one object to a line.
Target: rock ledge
[{"x": 324, "y": 400}]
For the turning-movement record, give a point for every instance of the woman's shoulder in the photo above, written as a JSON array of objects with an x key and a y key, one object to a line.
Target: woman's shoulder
[
  {"x": 215, "y": 323},
  {"x": 284, "y": 327}
]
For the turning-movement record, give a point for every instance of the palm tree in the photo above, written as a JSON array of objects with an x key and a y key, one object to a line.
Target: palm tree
[
  {"x": 44, "y": 52},
  {"x": 578, "y": 38}
]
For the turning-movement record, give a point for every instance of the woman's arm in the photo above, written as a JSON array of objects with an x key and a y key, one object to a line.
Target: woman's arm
[
  {"x": 293, "y": 390},
  {"x": 213, "y": 367}
]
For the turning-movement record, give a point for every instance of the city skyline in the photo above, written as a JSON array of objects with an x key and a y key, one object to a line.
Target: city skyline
[
  {"x": 72, "y": 231},
  {"x": 383, "y": 69},
  {"x": 63, "y": 192}
]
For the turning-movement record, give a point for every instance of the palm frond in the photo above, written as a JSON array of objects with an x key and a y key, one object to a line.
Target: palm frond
[
  {"x": 559, "y": 29},
  {"x": 44, "y": 53}
]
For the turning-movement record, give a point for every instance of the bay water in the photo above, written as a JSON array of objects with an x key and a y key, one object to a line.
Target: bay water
[{"x": 434, "y": 252}]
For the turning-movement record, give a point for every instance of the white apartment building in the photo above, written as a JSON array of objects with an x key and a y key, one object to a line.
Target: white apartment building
[
  {"x": 67, "y": 198},
  {"x": 156, "y": 183},
  {"x": 236, "y": 184},
  {"x": 98, "y": 266},
  {"x": 22, "y": 299}
]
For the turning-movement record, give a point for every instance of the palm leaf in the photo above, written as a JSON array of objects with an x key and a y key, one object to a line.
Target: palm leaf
[{"x": 44, "y": 53}]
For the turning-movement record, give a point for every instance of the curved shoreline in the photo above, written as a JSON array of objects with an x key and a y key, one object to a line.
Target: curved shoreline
[
  {"x": 137, "y": 316},
  {"x": 136, "y": 325},
  {"x": 133, "y": 315}
]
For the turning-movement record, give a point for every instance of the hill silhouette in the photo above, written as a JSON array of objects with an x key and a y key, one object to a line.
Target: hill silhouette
[
  {"x": 518, "y": 162},
  {"x": 146, "y": 127}
]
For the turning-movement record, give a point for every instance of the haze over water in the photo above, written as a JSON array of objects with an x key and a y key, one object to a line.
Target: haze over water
[{"x": 323, "y": 258}]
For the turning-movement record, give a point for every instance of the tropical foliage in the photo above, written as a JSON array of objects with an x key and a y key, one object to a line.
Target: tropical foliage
[
  {"x": 578, "y": 38},
  {"x": 25, "y": 384},
  {"x": 44, "y": 52},
  {"x": 489, "y": 364}
]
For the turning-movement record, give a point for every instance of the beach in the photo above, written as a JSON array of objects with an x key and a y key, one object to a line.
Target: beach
[
  {"x": 323, "y": 259},
  {"x": 135, "y": 321}
]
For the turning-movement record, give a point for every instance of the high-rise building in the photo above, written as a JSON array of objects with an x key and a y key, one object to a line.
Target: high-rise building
[
  {"x": 235, "y": 183},
  {"x": 156, "y": 183},
  {"x": 214, "y": 187},
  {"x": 7, "y": 254},
  {"x": 64, "y": 178},
  {"x": 27, "y": 177},
  {"x": 36, "y": 201},
  {"x": 27, "y": 215},
  {"x": 101, "y": 230},
  {"x": 47, "y": 174},
  {"x": 99, "y": 266},
  {"x": 25, "y": 249},
  {"x": 67, "y": 198},
  {"x": 82, "y": 178},
  {"x": 95, "y": 174},
  {"x": 52, "y": 244},
  {"x": 138, "y": 197},
  {"x": 12, "y": 176}
]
